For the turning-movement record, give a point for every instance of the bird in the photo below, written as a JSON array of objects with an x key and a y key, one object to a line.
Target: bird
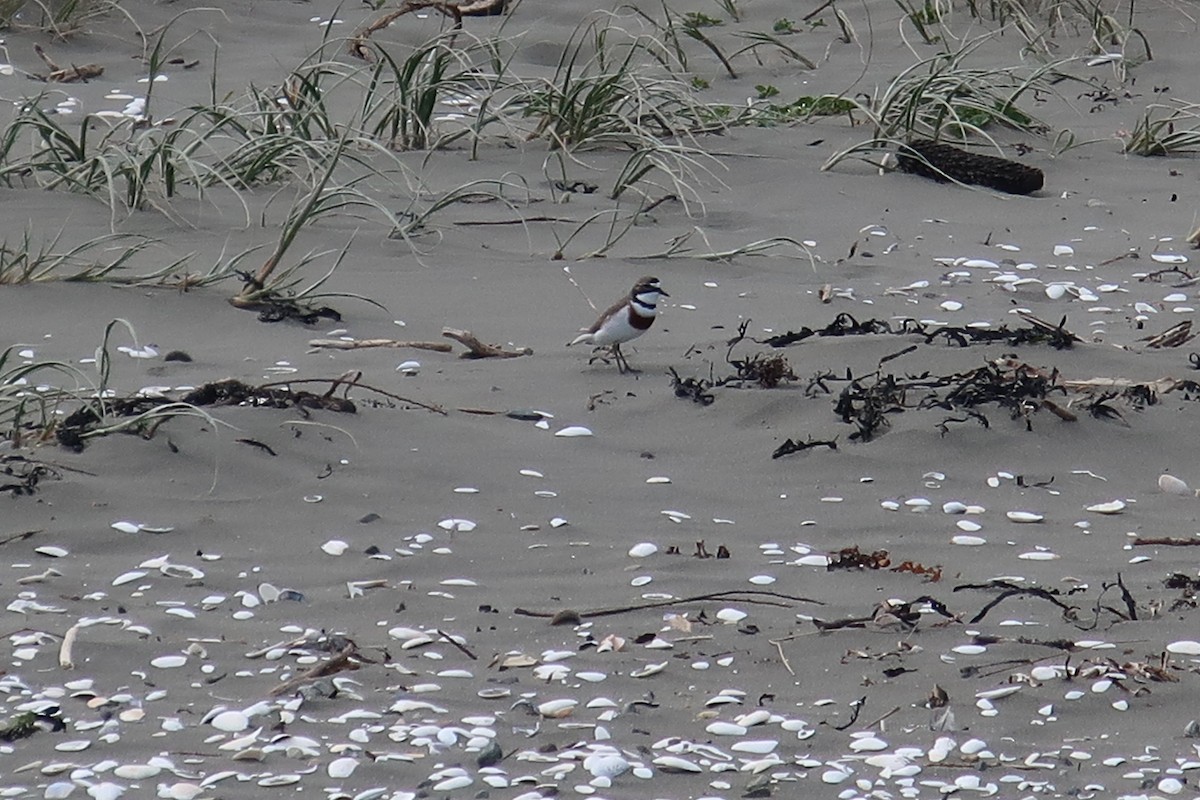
[{"x": 624, "y": 320}]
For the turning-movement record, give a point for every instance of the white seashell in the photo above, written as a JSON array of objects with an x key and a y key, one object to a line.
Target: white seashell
[
  {"x": 658, "y": 479},
  {"x": 409, "y": 367},
  {"x": 556, "y": 709},
  {"x": 641, "y": 580},
  {"x": 752, "y": 718},
  {"x": 997, "y": 693},
  {"x": 951, "y": 305},
  {"x": 181, "y": 791},
  {"x": 591, "y": 677},
  {"x": 1111, "y": 507},
  {"x": 1024, "y": 516},
  {"x": 269, "y": 592},
  {"x": 457, "y": 525},
  {"x": 1064, "y": 250},
  {"x": 1169, "y": 484},
  {"x": 231, "y": 721},
  {"x": 676, "y": 764},
  {"x": 969, "y": 649},
  {"x": 1170, "y": 786},
  {"x": 59, "y": 790},
  {"x": 643, "y": 550},
  {"x": 1038, "y": 555},
  {"x": 73, "y": 746},
  {"x": 1055, "y": 291},
  {"x": 965, "y": 540},
  {"x": 954, "y": 507},
  {"x": 342, "y": 767},
  {"x": 1175, "y": 297},
  {"x": 51, "y": 551},
  {"x": 573, "y": 431},
  {"x": 968, "y": 525},
  {"x": 1169, "y": 258},
  {"x": 105, "y": 791},
  {"x": 835, "y": 776},
  {"x": 814, "y": 560},
  {"x": 126, "y": 527},
  {"x": 335, "y": 547},
  {"x": 758, "y": 747},
  {"x": 606, "y": 765},
  {"x": 1184, "y": 647},
  {"x": 762, "y": 580},
  {"x": 453, "y": 783},
  {"x": 731, "y": 615},
  {"x": 168, "y": 662},
  {"x": 458, "y": 582},
  {"x": 979, "y": 263},
  {"x": 128, "y": 577},
  {"x": 868, "y": 744},
  {"x": 721, "y": 728},
  {"x": 280, "y": 780}
]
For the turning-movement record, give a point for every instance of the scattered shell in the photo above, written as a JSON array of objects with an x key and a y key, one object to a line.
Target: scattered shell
[
  {"x": 1184, "y": 647},
  {"x": 573, "y": 431},
  {"x": 1111, "y": 507},
  {"x": 1169, "y": 484},
  {"x": 231, "y": 721},
  {"x": 643, "y": 550},
  {"x": 168, "y": 662},
  {"x": 335, "y": 547},
  {"x": 1024, "y": 516}
]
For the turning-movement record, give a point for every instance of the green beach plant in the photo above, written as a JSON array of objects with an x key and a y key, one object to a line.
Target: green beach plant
[
  {"x": 1166, "y": 129},
  {"x": 942, "y": 97}
]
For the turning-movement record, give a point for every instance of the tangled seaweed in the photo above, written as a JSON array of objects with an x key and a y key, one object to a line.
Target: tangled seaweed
[{"x": 1038, "y": 332}]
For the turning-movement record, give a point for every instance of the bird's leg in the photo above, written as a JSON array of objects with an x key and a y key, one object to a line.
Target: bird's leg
[
  {"x": 600, "y": 354},
  {"x": 622, "y": 363}
]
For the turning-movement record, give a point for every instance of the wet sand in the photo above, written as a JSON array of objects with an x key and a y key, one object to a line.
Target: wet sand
[{"x": 456, "y": 520}]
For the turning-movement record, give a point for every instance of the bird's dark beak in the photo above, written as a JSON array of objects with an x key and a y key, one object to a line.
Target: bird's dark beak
[{"x": 664, "y": 294}]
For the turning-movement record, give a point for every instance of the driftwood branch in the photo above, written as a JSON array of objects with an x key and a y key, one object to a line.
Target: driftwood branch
[
  {"x": 472, "y": 8},
  {"x": 479, "y": 349},
  {"x": 71, "y": 74},
  {"x": 342, "y": 662},
  {"x": 359, "y": 344}
]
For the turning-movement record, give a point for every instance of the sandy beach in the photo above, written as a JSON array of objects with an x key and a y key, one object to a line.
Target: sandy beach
[{"x": 396, "y": 572}]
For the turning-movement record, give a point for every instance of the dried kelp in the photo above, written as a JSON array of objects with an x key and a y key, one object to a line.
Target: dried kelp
[{"x": 1037, "y": 332}]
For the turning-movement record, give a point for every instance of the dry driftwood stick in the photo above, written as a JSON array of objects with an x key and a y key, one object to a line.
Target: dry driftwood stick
[
  {"x": 19, "y": 537},
  {"x": 358, "y": 344},
  {"x": 358, "y": 42},
  {"x": 341, "y": 382},
  {"x": 339, "y": 663},
  {"x": 71, "y": 74},
  {"x": 478, "y": 349},
  {"x": 1165, "y": 541}
]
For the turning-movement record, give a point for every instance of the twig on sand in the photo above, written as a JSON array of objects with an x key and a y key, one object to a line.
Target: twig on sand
[
  {"x": 471, "y": 8},
  {"x": 787, "y": 664},
  {"x": 359, "y": 344},
  {"x": 19, "y": 537},
  {"x": 71, "y": 74},
  {"x": 479, "y": 349},
  {"x": 758, "y": 596},
  {"x": 461, "y": 647},
  {"x": 343, "y": 381},
  {"x": 339, "y": 663}
]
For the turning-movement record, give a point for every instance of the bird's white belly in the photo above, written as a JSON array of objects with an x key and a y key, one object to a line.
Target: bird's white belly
[{"x": 615, "y": 331}]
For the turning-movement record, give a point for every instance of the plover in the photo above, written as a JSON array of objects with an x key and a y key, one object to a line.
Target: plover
[{"x": 624, "y": 320}]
